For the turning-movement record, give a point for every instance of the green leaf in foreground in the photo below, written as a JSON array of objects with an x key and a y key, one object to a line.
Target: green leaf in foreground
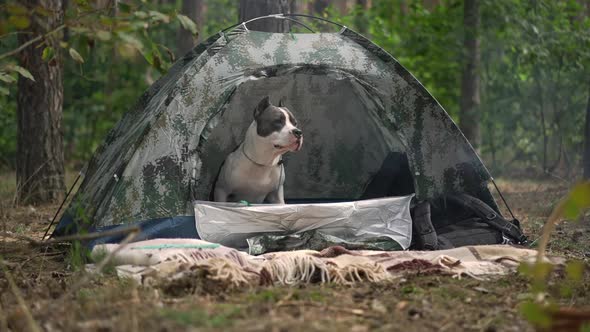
[
  {"x": 131, "y": 40},
  {"x": 125, "y": 8},
  {"x": 76, "y": 56},
  {"x": 157, "y": 16},
  {"x": 187, "y": 23},
  {"x": 535, "y": 270},
  {"x": 577, "y": 200},
  {"x": 140, "y": 14},
  {"x": 574, "y": 270},
  {"x": 42, "y": 11},
  {"x": 4, "y": 77},
  {"x": 4, "y": 91},
  {"x": 103, "y": 35},
  {"x": 19, "y": 21},
  {"x": 16, "y": 9},
  {"x": 534, "y": 313},
  {"x": 48, "y": 53},
  {"x": 24, "y": 73}
]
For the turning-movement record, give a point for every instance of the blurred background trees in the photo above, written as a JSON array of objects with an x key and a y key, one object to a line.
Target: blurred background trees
[{"x": 514, "y": 74}]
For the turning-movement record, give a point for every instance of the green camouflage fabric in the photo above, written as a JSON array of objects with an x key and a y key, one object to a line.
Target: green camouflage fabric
[{"x": 354, "y": 102}]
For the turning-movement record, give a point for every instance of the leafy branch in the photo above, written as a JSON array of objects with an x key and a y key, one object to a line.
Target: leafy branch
[
  {"x": 32, "y": 41},
  {"x": 127, "y": 28}
]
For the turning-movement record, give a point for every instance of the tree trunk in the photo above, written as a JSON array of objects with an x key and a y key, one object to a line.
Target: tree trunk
[
  {"x": 544, "y": 132},
  {"x": 253, "y": 8},
  {"x": 360, "y": 19},
  {"x": 469, "y": 113},
  {"x": 587, "y": 141},
  {"x": 40, "y": 157},
  {"x": 342, "y": 6},
  {"x": 317, "y": 7},
  {"x": 298, "y": 7},
  {"x": 194, "y": 10}
]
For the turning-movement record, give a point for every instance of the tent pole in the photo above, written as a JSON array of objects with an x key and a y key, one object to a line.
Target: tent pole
[
  {"x": 288, "y": 17},
  {"x": 61, "y": 206},
  {"x": 502, "y": 197}
]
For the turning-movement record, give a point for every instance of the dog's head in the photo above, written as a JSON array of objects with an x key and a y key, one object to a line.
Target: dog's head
[{"x": 278, "y": 126}]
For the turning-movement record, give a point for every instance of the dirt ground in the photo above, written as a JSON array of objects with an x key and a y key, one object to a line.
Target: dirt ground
[{"x": 46, "y": 280}]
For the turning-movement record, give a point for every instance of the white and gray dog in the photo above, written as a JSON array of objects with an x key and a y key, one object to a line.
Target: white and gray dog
[{"x": 254, "y": 171}]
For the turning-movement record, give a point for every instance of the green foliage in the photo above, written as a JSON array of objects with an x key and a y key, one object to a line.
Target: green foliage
[
  {"x": 535, "y": 60},
  {"x": 76, "y": 56},
  {"x": 428, "y": 42},
  {"x": 535, "y": 314},
  {"x": 538, "y": 273},
  {"x": 572, "y": 206},
  {"x": 577, "y": 201},
  {"x": 411, "y": 289},
  {"x": 220, "y": 15},
  {"x": 199, "y": 317},
  {"x": 187, "y": 23},
  {"x": 22, "y": 71},
  {"x": 111, "y": 59},
  {"x": 535, "y": 64},
  {"x": 78, "y": 256},
  {"x": 266, "y": 295}
]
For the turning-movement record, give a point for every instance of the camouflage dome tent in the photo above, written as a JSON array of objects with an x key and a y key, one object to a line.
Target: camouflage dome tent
[{"x": 371, "y": 129}]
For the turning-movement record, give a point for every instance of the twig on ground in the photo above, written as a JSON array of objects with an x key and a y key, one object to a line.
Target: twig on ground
[
  {"x": 69, "y": 238},
  {"x": 90, "y": 236},
  {"x": 100, "y": 265},
  {"x": 33, "y": 326}
]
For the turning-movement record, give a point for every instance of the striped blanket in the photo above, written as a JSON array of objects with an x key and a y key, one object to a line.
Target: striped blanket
[{"x": 164, "y": 259}]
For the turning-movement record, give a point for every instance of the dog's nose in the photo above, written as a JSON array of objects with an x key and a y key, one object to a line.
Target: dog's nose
[{"x": 297, "y": 133}]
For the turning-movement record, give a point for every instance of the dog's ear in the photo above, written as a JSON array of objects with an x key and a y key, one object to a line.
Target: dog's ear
[
  {"x": 281, "y": 104},
  {"x": 262, "y": 105}
]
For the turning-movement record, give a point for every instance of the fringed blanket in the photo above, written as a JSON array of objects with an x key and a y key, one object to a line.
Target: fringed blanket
[{"x": 168, "y": 259}]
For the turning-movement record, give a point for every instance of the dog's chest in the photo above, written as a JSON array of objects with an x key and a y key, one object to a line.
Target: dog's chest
[
  {"x": 258, "y": 180},
  {"x": 247, "y": 181}
]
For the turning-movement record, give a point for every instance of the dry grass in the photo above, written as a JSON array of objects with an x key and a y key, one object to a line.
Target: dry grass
[{"x": 419, "y": 303}]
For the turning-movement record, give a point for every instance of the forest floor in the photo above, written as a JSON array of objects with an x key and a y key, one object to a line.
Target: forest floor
[{"x": 44, "y": 279}]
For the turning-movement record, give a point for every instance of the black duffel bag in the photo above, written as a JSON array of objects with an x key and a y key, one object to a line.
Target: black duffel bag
[{"x": 461, "y": 220}]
